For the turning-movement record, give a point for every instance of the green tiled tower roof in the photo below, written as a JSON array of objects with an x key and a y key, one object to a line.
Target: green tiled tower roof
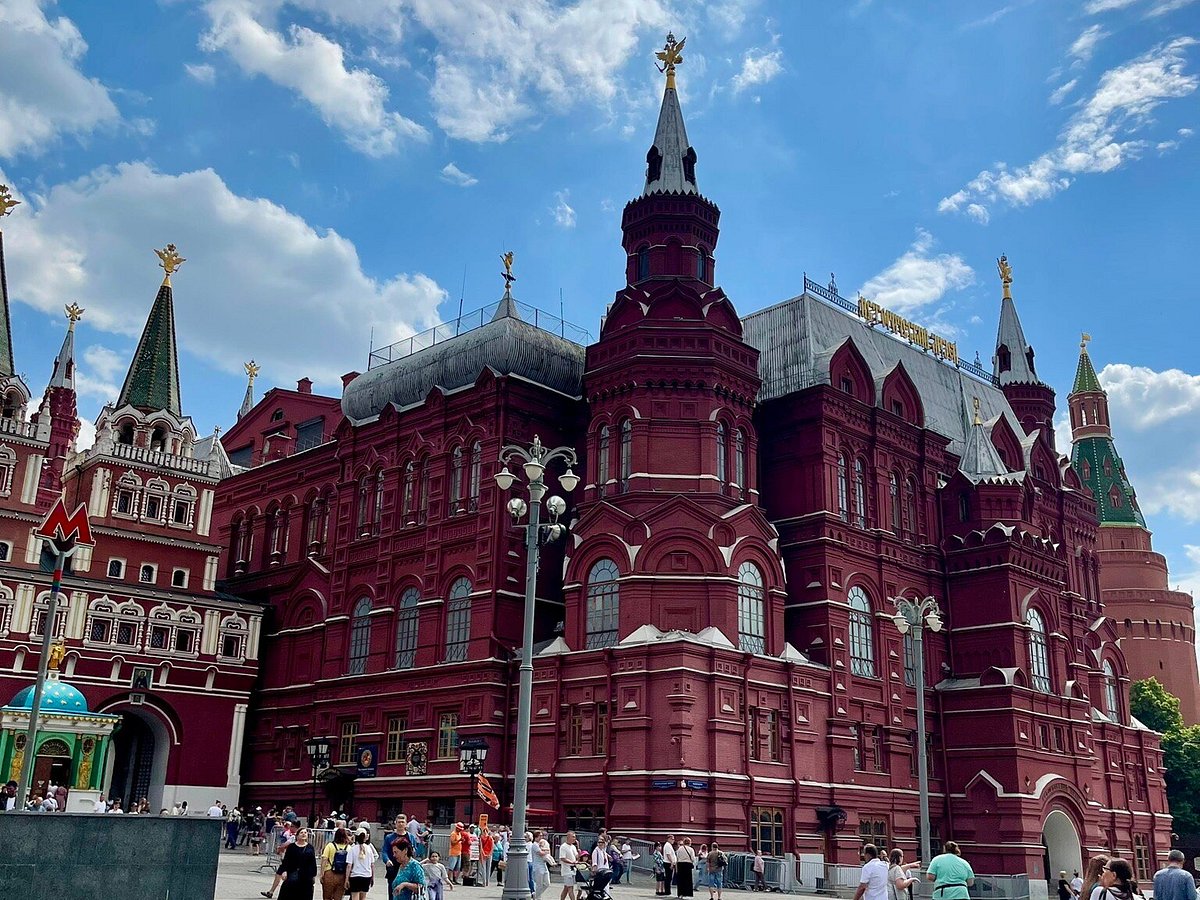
[
  {"x": 153, "y": 379},
  {"x": 1085, "y": 375},
  {"x": 6, "y": 349},
  {"x": 1097, "y": 464}
]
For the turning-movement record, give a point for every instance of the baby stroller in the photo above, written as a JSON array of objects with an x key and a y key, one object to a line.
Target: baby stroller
[{"x": 592, "y": 886}]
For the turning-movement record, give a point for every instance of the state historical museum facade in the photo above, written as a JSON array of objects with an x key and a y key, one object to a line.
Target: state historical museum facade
[{"x": 718, "y": 620}]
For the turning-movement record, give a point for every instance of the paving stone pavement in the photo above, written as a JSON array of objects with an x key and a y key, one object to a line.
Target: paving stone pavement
[{"x": 240, "y": 878}]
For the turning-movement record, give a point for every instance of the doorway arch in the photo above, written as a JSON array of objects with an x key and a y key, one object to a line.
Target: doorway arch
[
  {"x": 141, "y": 746},
  {"x": 1061, "y": 841}
]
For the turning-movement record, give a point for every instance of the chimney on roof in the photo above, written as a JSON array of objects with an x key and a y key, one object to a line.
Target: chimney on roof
[
  {"x": 304, "y": 385},
  {"x": 349, "y": 377}
]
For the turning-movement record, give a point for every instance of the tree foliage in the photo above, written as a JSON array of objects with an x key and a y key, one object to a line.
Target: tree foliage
[{"x": 1154, "y": 706}]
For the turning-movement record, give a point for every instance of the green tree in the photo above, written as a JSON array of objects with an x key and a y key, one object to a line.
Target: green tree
[
  {"x": 1181, "y": 759},
  {"x": 1154, "y": 706}
]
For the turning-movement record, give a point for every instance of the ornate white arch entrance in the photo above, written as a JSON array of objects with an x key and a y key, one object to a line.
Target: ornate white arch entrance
[{"x": 1061, "y": 840}]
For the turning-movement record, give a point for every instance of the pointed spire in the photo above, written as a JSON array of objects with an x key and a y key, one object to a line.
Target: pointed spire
[
  {"x": 153, "y": 379},
  {"x": 671, "y": 161},
  {"x": 1013, "y": 360},
  {"x": 63, "y": 375},
  {"x": 980, "y": 459},
  {"x": 7, "y": 367},
  {"x": 1085, "y": 373},
  {"x": 252, "y": 370},
  {"x": 507, "y": 309}
]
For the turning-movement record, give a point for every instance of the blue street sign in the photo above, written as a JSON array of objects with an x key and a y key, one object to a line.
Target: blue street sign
[
  {"x": 697, "y": 785},
  {"x": 662, "y": 784}
]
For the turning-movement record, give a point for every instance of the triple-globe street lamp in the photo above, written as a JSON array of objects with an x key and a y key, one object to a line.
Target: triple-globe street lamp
[
  {"x": 471, "y": 754},
  {"x": 534, "y": 461},
  {"x": 916, "y": 615}
]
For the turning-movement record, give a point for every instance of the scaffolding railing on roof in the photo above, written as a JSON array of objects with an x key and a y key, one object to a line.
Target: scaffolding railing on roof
[{"x": 468, "y": 322}]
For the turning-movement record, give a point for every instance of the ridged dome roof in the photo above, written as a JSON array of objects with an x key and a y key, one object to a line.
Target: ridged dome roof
[
  {"x": 507, "y": 345},
  {"x": 56, "y": 695}
]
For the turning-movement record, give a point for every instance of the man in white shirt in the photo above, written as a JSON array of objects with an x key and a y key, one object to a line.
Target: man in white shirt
[
  {"x": 215, "y": 811},
  {"x": 872, "y": 883},
  {"x": 1077, "y": 884},
  {"x": 568, "y": 855},
  {"x": 669, "y": 860}
]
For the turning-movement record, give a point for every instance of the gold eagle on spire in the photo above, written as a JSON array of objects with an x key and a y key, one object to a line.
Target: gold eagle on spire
[
  {"x": 6, "y": 200},
  {"x": 169, "y": 259},
  {"x": 671, "y": 55}
]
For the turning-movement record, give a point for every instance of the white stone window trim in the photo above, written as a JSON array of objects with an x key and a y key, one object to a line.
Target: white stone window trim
[
  {"x": 154, "y": 570},
  {"x": 124, "y": 567}
]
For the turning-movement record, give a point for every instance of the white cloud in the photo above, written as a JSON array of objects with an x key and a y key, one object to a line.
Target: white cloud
[
  {"x": 1085, "y": 45},
  {"x": 730, "y": 15},
  {"x": 1097, "y": 138},
  {"x": 97, "y": 372},
  {"x": 87, "y": 434},
  {"x": 43, "y": 94},
  {"x": 354, "y": 101},
  {"x": 1168, "y": 6},
  {"x": 1100, "y": 6},
  {"x": 979, "y": 213},
  {"x": 201, "y": 72},
  {"x": 260, "y": 281},
  {"x": 455, "y": 175},
  {"x": 757, "y": 68},
  {"x": 564, "y": 213},
  {"x": 1060, "y": 93},
  {"x": 919, "y": 277}
]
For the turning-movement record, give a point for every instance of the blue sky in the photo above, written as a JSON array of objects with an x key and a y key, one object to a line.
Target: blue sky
[{"x": 333, "y": 171}]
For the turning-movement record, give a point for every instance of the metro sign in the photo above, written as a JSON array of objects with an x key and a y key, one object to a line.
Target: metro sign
[{"x": 64, "y": 530}]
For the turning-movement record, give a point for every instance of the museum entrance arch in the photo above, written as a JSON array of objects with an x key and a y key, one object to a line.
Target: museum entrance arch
[
  {"x": 1061, "y": 842},
  {"x": 140, "y": 748},
  {"x": 52, "y": 766}
]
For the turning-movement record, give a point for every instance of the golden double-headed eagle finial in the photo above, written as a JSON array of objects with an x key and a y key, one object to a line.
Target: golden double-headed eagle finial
[
  {"x": 1083, "y": 340},
  {"x": 74, "y": 313},
  {"x": 1005, "y": 271},
  {"x": 6, "y": 201},
  {"x": 671, "y": 56},
  {"x": 252, "y": 370},
  {"x": 169, "y": 261}
]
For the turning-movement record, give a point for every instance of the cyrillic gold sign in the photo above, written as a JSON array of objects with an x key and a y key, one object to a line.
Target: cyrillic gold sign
[{"x": 874, "y": 314}]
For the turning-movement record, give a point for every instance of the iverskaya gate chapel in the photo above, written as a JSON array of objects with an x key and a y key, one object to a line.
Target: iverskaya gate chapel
[{"x": 716, "y": 649}]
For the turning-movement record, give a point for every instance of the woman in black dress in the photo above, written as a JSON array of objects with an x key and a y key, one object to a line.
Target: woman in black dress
[{"x": 298, "y": 869}]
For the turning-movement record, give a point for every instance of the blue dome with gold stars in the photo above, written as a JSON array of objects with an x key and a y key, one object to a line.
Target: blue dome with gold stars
[{"x": 57, "y": 696}]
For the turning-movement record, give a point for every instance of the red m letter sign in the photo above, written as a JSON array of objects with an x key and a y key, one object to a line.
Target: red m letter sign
[{"x": 61, "y": 528}]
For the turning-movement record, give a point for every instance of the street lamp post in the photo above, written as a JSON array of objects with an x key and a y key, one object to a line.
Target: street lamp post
[
  {"x": 534, "y": 461},
  {"x": 471, "y": 754},
  {"x": 318, "y": 751},
  {"x": 915, "y": 615}
]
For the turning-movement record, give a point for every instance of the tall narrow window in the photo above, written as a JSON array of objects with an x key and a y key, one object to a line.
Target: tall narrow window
[
  {"x": 643, "y": 263},
  {"x": 722, "y": 461},
  {"x": 701, "y": 265},
  {"x": 423, "y": 490},
  {"x": 409, "y": 499},
  {"x": 862, "y": 636},
  {"x": 626, "y": 454},
  {"x": 843, "y": 488},
  {"x": 457, "y": 467},
  {"x": 447, "y": 747},
  {"x": 602, "y": 461},
  {"x": 911, "y": 524},
  {"x": 603, "y": 605},
  {"x": 476, "y": 471},
  {"x": 1110, "y": 693},
  {"x": 910, "y": 660},
  {"x": 458, "y": 621},
  {"x": 347, "y": 746},
  {"x": 377, "y": 519},
  {"x": 739, "y": 460},
  {"x": 1039, "y": 659},
  {"x": 894, "y": 496},
  {"x": 360, "y": 637},
  {"x": 364, "y": 505},
  {"x": 751, "y": 611},
  {"x": 860, "y": 493},
  {"x": 406, "y": 629}
]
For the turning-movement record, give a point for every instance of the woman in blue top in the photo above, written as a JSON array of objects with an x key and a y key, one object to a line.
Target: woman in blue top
[{"x": 410, "y": 877}]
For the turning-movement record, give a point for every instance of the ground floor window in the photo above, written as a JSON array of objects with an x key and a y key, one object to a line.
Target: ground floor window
[
  {"x": 766, "y": 830},
  {"x": 1141, "y": 858},
  {"x": 443, "y": 813},
  {"x": 874, "y": 831},
  {"x": 585, "y": 818}
]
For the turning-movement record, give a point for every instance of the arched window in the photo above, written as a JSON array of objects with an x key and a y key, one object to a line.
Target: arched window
[
  {"x": 360, "y": 636},
  {"x": 643, "y": 263},
  {"x": 739, "y": 460},
  {"x": 722, "y": 454},
  {"x": 406, "y": 629},
  {"x": 364, "y": 505},
  {"x": 183, "y": 506},
  {"x": 458, "y": 621},
  {"x": 626, "y": 454},
  {"x": 843, "y": 488},
  {"x": 1039, "y": 657},
  {"x": 457, "y": 468},
  {"x": 377, "y": 516},
  {"x": 603, "y": 605},
  {"x": 128, "y": 493},
  {"x": 910, "y": 506},
  {"x": 476, "y": 472},
  {"x": 862, "y": 636},
  {"x": 701, "y": 264},
  {"x": 232, "y": 641},
  {"x": 751, "y": 609},
  {"x": 602, "y": 461},
  {"x": 8, "y": 465},
  {"x": 279, "y": 528},
  {"x": 101, "y": 622},
  {"x": 318, "y": 522},
  {"x": 1110, "y": 693},
  {"x": 894, "y": 496},
  {"x": 860, "y": 493},
  {"x": 409, "y": 500}
]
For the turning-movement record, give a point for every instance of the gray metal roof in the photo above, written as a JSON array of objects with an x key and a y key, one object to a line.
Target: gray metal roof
[
  {"x": 672, "y": 142},
  {"x": 797, "y": 338},
  {"x": 507, "y": 345}
]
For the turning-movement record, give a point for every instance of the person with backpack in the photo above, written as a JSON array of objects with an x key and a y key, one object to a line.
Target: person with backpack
[
  {"x": 334, "y": 877},
  {"x": 715, "y": 862}
]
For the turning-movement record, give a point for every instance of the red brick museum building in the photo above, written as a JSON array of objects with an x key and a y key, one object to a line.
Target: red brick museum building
[{"x": 716, "y": 652}]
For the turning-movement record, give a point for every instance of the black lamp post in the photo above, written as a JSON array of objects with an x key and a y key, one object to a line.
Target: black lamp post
[
  {"x": 471, "y": 754},
  {"x": 318, "y": 751}
]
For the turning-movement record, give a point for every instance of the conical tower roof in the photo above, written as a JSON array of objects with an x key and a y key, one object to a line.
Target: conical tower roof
[
  {"x": 671, "y": 161},
  {"x": 63, "y": 375},
  {"x": 1085, "y": 374},
  {"x": 1013, "y": 360},
  {"x": 7, "y": 368},
  {"x": 980, "y": 459},
  {"x": 153, "y": 379},
  {"x": 252, "y": 370}
]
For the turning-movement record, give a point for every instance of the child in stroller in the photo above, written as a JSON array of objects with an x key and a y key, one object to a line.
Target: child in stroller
[{"x": 593, "y": 880}]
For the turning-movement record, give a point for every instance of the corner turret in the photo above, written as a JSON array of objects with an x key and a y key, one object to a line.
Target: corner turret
[
  {"x": 56, "y": 421},
  {"x": 1031, "y": 399}
]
